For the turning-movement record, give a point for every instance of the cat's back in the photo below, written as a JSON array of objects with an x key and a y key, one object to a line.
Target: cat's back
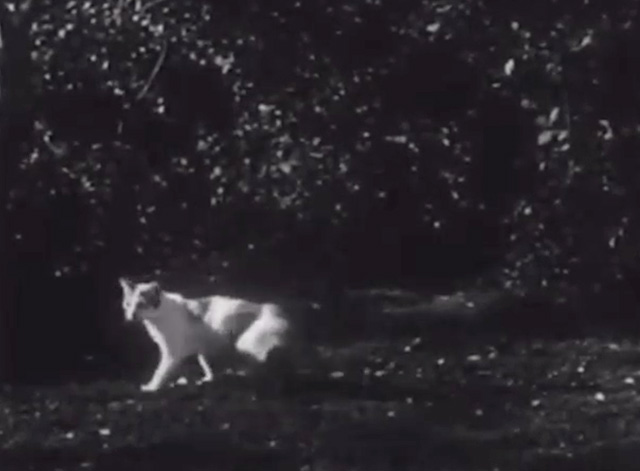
[{"x": 228, "y": 316}]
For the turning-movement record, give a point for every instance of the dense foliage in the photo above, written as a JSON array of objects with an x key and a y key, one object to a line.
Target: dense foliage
[{"x": 413, "y": 138}]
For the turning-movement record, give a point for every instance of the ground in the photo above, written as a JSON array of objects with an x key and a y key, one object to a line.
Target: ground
[{"x": 444, "y": 399}]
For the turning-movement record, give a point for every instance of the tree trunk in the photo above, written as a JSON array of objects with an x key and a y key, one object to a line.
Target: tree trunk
[
  {"x": 16, "y": 125},
  {"x": 5, "y": 304}
]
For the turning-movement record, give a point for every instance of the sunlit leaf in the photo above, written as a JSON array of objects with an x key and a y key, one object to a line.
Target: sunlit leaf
[{"x": 509, "y": 67}]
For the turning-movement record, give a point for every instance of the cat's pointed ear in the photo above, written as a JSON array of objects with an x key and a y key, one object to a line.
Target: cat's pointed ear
[{"x": 127, "y": 286}]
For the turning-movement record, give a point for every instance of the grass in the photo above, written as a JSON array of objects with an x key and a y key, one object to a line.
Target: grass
[
  {"x": 419, "y": 403},
  {"x": 442, "y": 399}
]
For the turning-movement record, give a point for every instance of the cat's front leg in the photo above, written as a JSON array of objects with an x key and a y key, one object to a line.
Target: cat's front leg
[
  {"x": 165, "y": 369},
  {"x": 207, "y": 374}
]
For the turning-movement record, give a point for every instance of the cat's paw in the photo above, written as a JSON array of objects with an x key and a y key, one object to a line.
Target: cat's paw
[
  {"x": 149, "y": 388},
  {"x": 204, "y": 379}
]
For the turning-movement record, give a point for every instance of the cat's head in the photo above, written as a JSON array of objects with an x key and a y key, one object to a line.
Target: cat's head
[{"x": 139, "y": 299}]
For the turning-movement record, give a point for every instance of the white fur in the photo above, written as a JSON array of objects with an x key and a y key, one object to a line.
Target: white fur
[{"x": 183, "y": 327}]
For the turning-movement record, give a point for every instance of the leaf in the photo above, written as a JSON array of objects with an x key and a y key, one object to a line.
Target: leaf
[
  {"x": 433, "y": 27},
  {"x": 509, "y": 67},
  {"x": 545, "y": 137},
  {"x": 397, "y": 139},
  {"x": 286, "y": 167},
  {"x": 607, "y": 132},
  {"x": 586, "y": 40}
]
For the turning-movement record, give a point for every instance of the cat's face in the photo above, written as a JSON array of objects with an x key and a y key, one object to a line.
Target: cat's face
[{"x": 139, "y": 299}]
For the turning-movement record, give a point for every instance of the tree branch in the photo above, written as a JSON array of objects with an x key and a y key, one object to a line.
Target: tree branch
[{"x": 154, "y": 72}]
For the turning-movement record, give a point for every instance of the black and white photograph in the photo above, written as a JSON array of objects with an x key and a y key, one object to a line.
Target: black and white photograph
[{"x": 287, "y": 235}]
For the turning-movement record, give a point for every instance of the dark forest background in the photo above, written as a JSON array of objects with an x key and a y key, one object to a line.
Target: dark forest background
[{"x": 298, "y": 148}]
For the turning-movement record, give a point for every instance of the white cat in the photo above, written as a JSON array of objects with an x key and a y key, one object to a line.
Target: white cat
[{"x": 203, "y": 327}]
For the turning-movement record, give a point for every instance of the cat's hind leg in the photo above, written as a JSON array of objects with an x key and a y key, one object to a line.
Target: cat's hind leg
[{"x": 207, "y": 373}]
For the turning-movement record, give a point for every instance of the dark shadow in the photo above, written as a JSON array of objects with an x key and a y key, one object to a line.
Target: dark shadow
[
  {"x": 211, "y": 451},
  {"x": 309, "y": 389},
  {"x": 409, "y": 443},
  {"x": 621, "y": 456}
]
